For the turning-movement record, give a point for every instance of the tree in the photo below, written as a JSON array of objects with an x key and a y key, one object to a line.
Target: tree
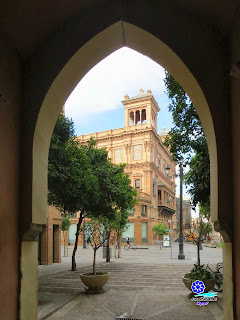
[
  {"x": 65, "y": 226},
  {"x": 82, "y": 178},
  {"x": 116, "y": 225},
  {"x": 160, "y": 229},
  {"x": 60, "y": 170},
  {"x": 70, "y": 176},
  {"x": 202, "y": 230},
  {"x": 68, "y": 170},
  {"x": 186, "y": 139},
  {"x": 96, "y": 236}
]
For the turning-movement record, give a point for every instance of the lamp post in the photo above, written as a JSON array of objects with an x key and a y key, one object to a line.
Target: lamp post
[
  {"x": 84, "y": 237},
  {"x": 181, "y": 255}
]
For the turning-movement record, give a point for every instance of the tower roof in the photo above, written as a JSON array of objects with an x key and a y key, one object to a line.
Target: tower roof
[{"x": 141, "y": 95}]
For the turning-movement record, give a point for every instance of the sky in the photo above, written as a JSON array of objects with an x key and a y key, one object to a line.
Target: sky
[{"x": 95, "y": 104}]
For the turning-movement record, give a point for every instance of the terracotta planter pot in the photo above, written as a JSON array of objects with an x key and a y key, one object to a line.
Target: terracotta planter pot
[
  {"x": 95, "y": 283},
  {"x": 209, "y": 284}
]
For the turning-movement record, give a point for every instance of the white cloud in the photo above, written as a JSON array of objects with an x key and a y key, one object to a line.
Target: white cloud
[{"x": 104, "y": 86}]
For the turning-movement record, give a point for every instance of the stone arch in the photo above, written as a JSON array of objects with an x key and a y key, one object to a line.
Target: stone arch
[
  {"x": 131, "y": 118},
  {"x": 92, "y": 52},
  {"x": 137, "y": 117},
  {"x": 143, "y": 42},
  {"x": 144, "y": 116}
]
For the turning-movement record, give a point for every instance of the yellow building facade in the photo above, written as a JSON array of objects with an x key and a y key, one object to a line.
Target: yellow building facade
[{"x": 140, "y": 146}]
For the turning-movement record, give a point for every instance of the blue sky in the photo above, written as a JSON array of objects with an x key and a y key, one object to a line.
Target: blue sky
[{"x": 95, "y": 104}]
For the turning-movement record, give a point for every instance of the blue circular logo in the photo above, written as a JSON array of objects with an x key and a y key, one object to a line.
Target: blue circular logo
[{"x": 198, "y": 287}]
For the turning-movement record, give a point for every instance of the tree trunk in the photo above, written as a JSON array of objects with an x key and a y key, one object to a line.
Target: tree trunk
[
  {"x": 108, "y": 248},
  {"x": 198, "y": 253},
  {"x": 94, "y": 261},
  {"x": 119, "y": 250},
  {"x": 119, "y": 246},
  {"x": 74, "y": 266},
  {"x": 64, "y": 242}
]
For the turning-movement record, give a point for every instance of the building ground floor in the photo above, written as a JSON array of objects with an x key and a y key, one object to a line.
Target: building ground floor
[
  {"x": 49, "y": 244},
  {"x": 138, "y": 229}
]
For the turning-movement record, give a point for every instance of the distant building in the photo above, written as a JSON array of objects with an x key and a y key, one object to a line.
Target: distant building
[
  {"x": 140, "y": 146},
  {"x": 187, "y": 219}
]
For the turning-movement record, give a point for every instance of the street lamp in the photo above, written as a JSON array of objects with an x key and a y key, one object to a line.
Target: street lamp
[
  {"x": 84, "y": 235},
  {"x": 181, "y": 255}
]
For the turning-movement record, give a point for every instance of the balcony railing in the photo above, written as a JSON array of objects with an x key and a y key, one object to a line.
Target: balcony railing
[{"x": 165, "y": 204}]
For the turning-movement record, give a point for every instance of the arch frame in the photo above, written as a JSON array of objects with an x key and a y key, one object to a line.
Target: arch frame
[{"x": 92, "y": 52}]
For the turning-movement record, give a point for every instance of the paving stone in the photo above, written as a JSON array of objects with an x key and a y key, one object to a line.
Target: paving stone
[{"x": 140, "y": 284}]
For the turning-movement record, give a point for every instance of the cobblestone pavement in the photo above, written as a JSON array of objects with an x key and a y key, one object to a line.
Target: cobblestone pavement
[{"x": 138, "y": 287}]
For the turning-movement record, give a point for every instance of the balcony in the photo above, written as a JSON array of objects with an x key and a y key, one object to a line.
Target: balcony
[
  {"x": 165, "y": 207},
  {"x": 142, "y": 196}
]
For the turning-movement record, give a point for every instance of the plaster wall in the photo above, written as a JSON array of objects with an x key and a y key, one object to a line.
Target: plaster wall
[
  {"x": 52, "y": 231},
  {"x": 10, "y": 77},
  {"x": 29, "y": 281}
]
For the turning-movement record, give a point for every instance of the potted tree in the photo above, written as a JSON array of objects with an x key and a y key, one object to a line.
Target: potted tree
[
  {"x": 199, "y": 272},
  {"x": 96, "y": 236}
]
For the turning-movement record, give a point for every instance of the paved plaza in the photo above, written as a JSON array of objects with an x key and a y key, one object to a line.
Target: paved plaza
[{"x": 144, "y": 284}]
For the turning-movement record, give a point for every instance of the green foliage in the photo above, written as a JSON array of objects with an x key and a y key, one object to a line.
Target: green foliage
[
  {"x": 114, "y": 192},
  {"x": 69, "y": 170},
  {"x": 95, "y": 233},
  {"x": 160, "y": 229},
  {"x": 204, "y": 228},
  {"x": 199, "y": 273},
  {"x": 219, "y": 245},
  {"x": 186, "y": 139},
  {"x": 204, "y": 210},
  {"x": 82, "y": 177},
  {"x": 65, "y": 223}
]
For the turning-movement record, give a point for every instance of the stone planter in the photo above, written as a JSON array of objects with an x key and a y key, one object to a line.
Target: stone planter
[
  {"x": 96, "y": 282},
  {"x": 209, "y": 284}
]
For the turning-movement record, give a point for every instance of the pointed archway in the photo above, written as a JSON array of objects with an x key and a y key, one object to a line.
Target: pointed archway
[{"x": 50, "y": 103}]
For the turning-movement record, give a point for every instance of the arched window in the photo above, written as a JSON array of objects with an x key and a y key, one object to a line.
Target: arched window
[
  {"x": 144, "y": 116},
  {"x": 137, "y": 120},
  {"x": 131, "y": 118}
]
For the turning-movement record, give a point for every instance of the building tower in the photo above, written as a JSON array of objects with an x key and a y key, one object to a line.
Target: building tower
[{"x": 142, "y": 114}]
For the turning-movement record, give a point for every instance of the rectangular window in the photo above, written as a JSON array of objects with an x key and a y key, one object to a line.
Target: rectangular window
[
  {"x": 128, "y": 232},
  {"x": 153, "y": 154},
  {"x": 154, "y": 187},
  {"x": 118, "y": 156},
  {"x": 131, "y": 212},
  {"x": 137, "y": 183},
  {"x": 137, "y": 152},
  {"x": 73, "y": 215},
  {"x": 143, "y": 211},
  {"x": 159, "y": 197},
  {"x": 144, "y": 232}
]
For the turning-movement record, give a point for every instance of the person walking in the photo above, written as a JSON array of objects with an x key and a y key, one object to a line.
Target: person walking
[{"x": 128, "y": 241}]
